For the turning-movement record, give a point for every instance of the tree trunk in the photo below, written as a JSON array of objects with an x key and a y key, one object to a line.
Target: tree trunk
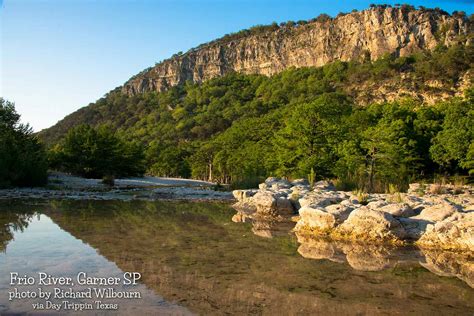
[{"x": 210, "y": 172}]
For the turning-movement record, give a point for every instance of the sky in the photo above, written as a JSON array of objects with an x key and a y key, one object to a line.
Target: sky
[{"x": 57, "y": 56}]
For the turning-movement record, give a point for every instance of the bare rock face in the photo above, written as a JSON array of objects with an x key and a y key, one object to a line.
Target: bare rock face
[
  {"x": 414, "y": 227},
  {"x": 320, "y": 198},
  {"x": 437, "y": 212},
  {"x": 398, "y": 209},
  {"x": 269, "y": 203},
  {"x": 371, "y": 225},
  {"x": 316, "y": 219},
  {"x": 455, "y": 232},
  {"x": 320, "y": 220},
  {"x": 243, "y": 195},
  {"x": 368, "y": 34}
]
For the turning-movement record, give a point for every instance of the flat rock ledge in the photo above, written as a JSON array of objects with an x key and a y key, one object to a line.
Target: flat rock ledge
[
  {"x": 441, "y": 220},
  {"x": 67, "y": 187}
]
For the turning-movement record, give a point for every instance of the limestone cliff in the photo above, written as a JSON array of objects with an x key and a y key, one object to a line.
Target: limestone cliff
[{"x": 367, "y": 34}]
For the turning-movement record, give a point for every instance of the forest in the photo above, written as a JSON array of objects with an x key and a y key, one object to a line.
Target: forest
[{"x": 238, "y": 129}]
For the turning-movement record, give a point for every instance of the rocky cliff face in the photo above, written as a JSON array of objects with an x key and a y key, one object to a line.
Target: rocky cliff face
[{"x": 361, "y": 35}]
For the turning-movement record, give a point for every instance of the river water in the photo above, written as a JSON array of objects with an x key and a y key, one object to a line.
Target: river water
[{"x": 194, "y": 260}]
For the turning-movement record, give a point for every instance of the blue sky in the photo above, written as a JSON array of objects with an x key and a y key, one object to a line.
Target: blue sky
[{"x": 60, "y": 55}]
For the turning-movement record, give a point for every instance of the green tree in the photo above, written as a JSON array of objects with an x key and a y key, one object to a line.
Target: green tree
[
  {"x": 23, "y": 159},
  {"x": 310, "y": 135},
  {"x": 168, "y": 160},
  {"x": 452, "y": 145},
  {"x": 96, "y": 153},
  {"x": 390, "y": 146}
]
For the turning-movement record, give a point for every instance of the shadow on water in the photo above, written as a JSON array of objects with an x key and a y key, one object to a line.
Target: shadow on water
[{"x": 190, "y": 253}]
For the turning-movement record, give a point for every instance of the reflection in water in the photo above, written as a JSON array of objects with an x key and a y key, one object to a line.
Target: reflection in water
[
  {"x": 450, "y": 264},
  {"x": 191, "y": 254},
  {"x": 370, "y": 257},
  {"x": 266, "y": 226},
  {"x": 11, "y": 222},
  {"x": 361, "y": 257},
  {"x": 44, "y": 247}
]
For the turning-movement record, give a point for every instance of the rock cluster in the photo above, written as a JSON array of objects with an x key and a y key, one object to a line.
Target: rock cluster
[{"x": 443, "y": 221}]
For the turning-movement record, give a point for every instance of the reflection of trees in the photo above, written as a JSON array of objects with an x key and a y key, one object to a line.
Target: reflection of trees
[
  {"x": 12, "y": 221},
  {"x": 192, "y": 254}
]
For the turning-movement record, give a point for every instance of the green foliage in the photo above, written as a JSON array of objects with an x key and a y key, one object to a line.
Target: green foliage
[
  {"x": 241, "y": 128},
  {"x": 22, "y": 158},
  {"x": 167, "y": 160},
  {"x": 453, "y": 145},
  {"x": 390, "y": 146},
  {"x": 97, "y": 153},
  {"x": 311, "y": 133}
]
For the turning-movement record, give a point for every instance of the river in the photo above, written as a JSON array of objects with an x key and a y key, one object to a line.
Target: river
[{"x": 193, "y": 259}]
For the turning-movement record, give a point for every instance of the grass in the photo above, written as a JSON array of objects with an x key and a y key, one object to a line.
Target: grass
[
  {"x": 459, "y": 183},
  {"x": 362, "y": 196}
]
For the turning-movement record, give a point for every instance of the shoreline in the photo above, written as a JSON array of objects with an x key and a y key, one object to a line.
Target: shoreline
[{"x": 66, "y": 187}]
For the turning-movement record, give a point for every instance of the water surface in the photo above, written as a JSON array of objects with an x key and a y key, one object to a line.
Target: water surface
[{"x": 194, "y": 259}]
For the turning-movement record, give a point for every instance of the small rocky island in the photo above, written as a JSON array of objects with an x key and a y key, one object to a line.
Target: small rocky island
[{"x": 430, "y": 216}]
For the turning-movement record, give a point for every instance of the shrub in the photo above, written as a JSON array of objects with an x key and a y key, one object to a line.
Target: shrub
[
  {"x": 362, "y": 196},
  {"x": 108, "y": 180}
]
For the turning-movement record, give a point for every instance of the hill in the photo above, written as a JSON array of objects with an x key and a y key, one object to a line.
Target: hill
[{"x": 240, "y": 123}]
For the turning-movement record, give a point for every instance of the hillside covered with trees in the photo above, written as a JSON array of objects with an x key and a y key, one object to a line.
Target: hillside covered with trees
[{"x": 239, "y": 128}]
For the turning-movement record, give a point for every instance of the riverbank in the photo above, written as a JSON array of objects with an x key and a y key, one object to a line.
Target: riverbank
[
  {"x": 428, "y": 216},
  {"x": 64, "y": 186}
]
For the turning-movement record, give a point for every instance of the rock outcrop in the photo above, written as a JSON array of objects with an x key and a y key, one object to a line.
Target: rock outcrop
[
  {"x": 454, "y": 232},
  {"x": 363, "y": 35},
  {"x": 372, "y": 225},
  {"x": 439, "y": 221}
]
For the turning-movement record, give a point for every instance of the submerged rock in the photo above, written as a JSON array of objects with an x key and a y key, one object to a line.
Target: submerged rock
[
  {"x": 361, "y": 257},
  {"x": 320, "y": 249}
]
